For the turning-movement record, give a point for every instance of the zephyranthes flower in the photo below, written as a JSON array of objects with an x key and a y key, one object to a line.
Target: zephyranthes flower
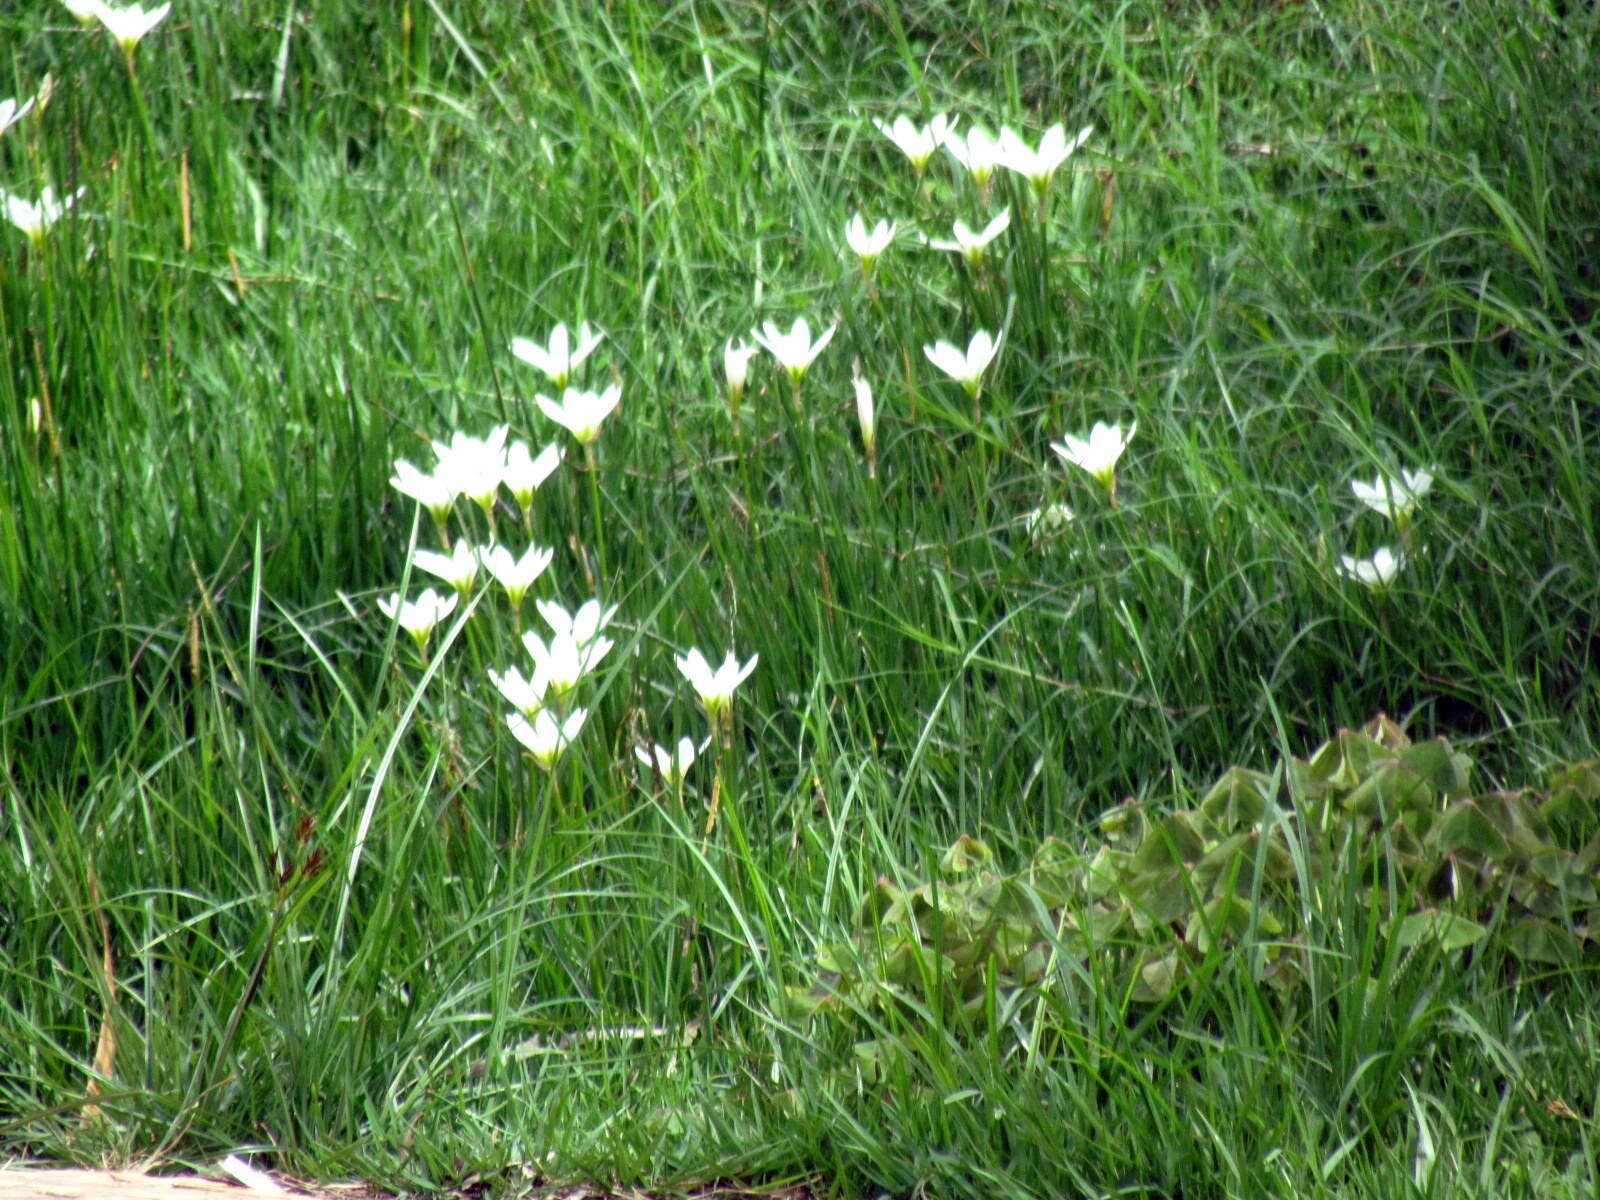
[
  {"x": 418, "y": 617},
  {"x": 84, "y": 11},
  {"x": 523, "y": 474},
  {"x": 671, "y": 767},
  {"x": 516, "y": 575},
  {"x": 545, "y": 736},
  {"x": 795, "y": 351},
  {"x": 10, "y": 113},
  {"x": 868, "y": 244},
  {"x": 1037, "y": 166},
  {"x": 916, "y": 142},
  {"x": 525, "y": 695},
  {"x": 971, "y": 245},
  {"x": 433, "y": 493},
  {"x": 582, "y": 625},
  {"x": 867, "y": 416},
  {"x": 1377, "y": 572},
  {"x": 1052, "y": 518},
  {"x": 715, "y": 688},
  {"x": 564, "y": 660},
  {"x": 1098, "y": 454},
  {"x": 473, "y": 467},
  {"x": 129, "y": 23},
  {"x": 576, "y": 645},
  {"x": 965, "y": 368},
  {"x": 736, "y": 367},
  {"x": 1394, "y": 498},
  {"x": 35, "y": 219},
  {"x": 978, "y": 152},
  {"x": 559, "y": 358},
  {"x": 459, "y": 568},
  {"x": 582, "y": 412}
]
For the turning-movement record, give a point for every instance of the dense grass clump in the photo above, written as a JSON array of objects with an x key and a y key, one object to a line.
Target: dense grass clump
[{"x": 277, "y": 877}]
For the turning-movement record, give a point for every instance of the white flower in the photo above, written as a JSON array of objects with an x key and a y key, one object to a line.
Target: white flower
[
  {"x": 1394, "y": 498},
  {"x": 715, "y": 688},
  {"x": 516, "y": 575},
  {"x": 35, "y": 219},
  {"x": 1039, "y": 165},
  {"x": 581, "y": 625},
  {"x": 978, "y": 152},
  {"x": 418, "y": 617},
  {"x": 916, "y": 142},
  {"x": 10, "y": 113},
  {"x": 736, "y": 366},
  {"x": 1098, "y": 453},
  {"x": 523, "y": 474},
  {"x": 544, "y": 736},
  {"x": 671, "y": 767},
  {"x": 559, "y": 358},
  {"x": 1052, "y": 518},
  {"x": 84, "y": 10},
  {"x": 971, "y": 245},
  {"x": 129, "y": 23},
  {"x": 575, "y": 647},
  {"x": 795, "y": 351},
  {"x": 564, "y": 660},
  {"x": 473, "y": 467},
  {"x": 1377, "y": 572},
  {"x": 525, "y": 695},
  {"x": 434, "y": 494},
  {"x": 582, "y": 412},
  {"x": 866, "y": 413},
  {"x": 458, "y": 568},
  {"x": 965, "y": 368},
  {"x": 868, "y": 244}
]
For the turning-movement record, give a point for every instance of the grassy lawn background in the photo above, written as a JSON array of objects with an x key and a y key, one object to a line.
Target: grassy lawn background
[{"x": 354, "y": 926}]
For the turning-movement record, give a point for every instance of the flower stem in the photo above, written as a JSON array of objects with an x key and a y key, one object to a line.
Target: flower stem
[{"x": 592, "y": 462}]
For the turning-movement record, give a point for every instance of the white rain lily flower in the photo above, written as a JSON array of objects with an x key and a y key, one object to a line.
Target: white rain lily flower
[
  {"x": 1098, "y": 454},
  {"x": 672, "y": 767},
  {"x": 978, "y": 152},
  {"x": 581, "y": 625},
  {"x": 736, "y": 367},
  {"x": 965, "y": 368},
  {"x": 459, "y": 568},
  {"x": 868, "y": 244},
  {"x": 129, "y": 23},
  {"x": 11, "y": 113},
  {"x": 715, "y": 688},
  {"x": 544, "y": 736},
  {"x": 516, "y": 575},
  {"x": 433, "y": 493},
  {"x": 581, "y": 412},
  {"x": 971, "y": 245},
  {"x": 85, "y": 11},
  {"x": 1037, "y": 166},
  {"x": 418, "y": 617},
  {"x": 866, "y": 413},
  {"x": 564, "y": 660},
  {"x": 1377, "y": 572},
  {"x": 558, "y": 358},
  {"x": 524, "y": 474},
  {"x": 35, "y": 219},
  {"x": 1394, "y": 498},
  {"x": 525, "y": 695},
  {"x": 473, "y": 467},
  {"x": 795, "y": 351},
  {"x": 917, "y": 142},
  {"x": 1052, "y": 518}
]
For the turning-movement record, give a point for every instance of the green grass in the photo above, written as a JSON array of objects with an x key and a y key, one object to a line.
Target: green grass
[{"x": 1307, "y": 243}]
